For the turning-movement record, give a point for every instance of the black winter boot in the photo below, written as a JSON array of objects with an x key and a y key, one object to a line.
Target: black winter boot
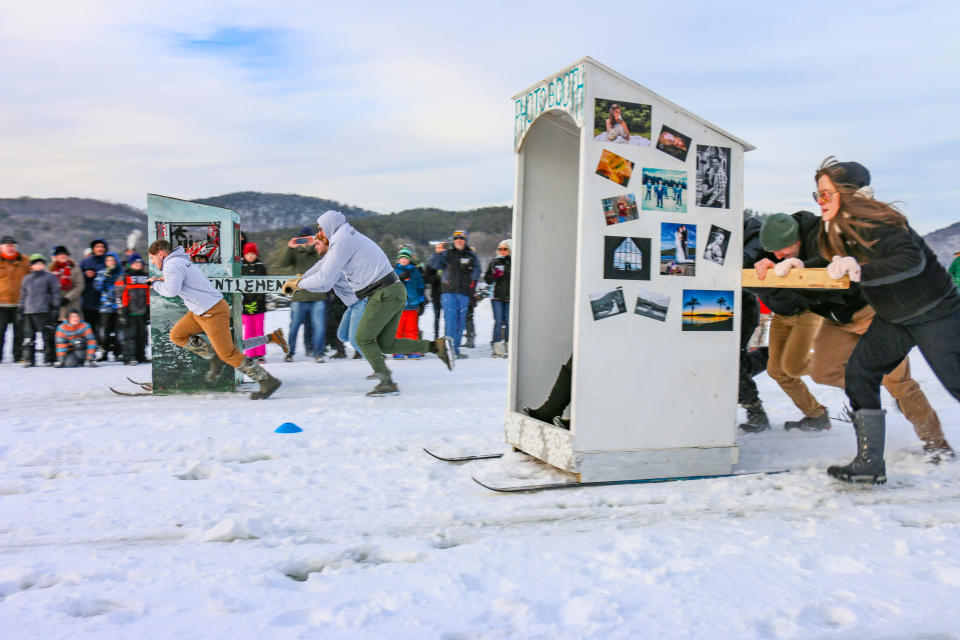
[
  {"x": 268, "y": 384},
  {"x": 820, "y": 423},
  {"x": 868, "y": 467},
  {"x": 757, "y": 420},
  {"x": 558, "y": 399}
]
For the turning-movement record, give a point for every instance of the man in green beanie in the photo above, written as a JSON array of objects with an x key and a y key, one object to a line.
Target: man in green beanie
[{"x": 843, "y": 316}]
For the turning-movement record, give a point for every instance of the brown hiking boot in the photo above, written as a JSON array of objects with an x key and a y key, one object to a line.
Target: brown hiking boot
[{"x": 277, "y": 338}]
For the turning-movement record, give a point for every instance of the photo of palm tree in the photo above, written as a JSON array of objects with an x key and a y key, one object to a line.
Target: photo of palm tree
[{"x": 707, "y": 310}]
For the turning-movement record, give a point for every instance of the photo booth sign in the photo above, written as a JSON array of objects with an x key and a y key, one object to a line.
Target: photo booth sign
[{"x": 655, "y": 356}]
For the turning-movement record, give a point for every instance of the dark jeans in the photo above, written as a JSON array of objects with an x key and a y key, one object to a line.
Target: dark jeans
[
  {"x": 109, "y": 339},
  {"x": 44, "y": 324},
  {"x": 76, "y": 354},
  {"x": 334, "y": 313},
  {"x": 11, "y": 316},
  {"x": 501, "y": 320},
  {"x": 437, "y": 311},
  {"x": 135, "y": 338},
  {"x": 751, "y": 362},
  {"x": 885, "y": 345},
  {"x": 92, "y": 318}
]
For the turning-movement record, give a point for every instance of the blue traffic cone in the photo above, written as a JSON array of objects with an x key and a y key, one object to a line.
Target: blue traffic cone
[{"x": 288, "y": 427}]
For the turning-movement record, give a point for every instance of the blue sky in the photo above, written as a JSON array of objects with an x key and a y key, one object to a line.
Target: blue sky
[{"x": 408, "y": 104}]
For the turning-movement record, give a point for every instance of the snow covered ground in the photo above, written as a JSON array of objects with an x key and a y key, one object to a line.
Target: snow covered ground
[{"x": 187, "y": 517}]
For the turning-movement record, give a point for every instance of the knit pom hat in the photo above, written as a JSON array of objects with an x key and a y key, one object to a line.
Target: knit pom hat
[
  {"x": 405, "y": 252},
  {"x": 37, "y": 257},
  {"x": 460, "y": 233},
  {"x": 134, "y": 257},
  {"x": 779, "y": 231},
  {"x": 250, "y": 247}
]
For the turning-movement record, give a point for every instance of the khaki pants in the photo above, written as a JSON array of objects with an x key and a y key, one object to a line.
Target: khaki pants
[
  {"x": 791, "y": 338},
  {"x": 832, "y": 349},
  {"x": 215, "y": 322}
]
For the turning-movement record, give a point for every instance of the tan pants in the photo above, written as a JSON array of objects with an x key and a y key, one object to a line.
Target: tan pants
[
  {"x": 832, "y": 349},
  {"x": 215, "y": 322},
  {"x": 791, "y": 338}
]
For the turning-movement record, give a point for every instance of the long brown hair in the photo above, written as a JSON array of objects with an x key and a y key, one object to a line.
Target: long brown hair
[{"x": 844, "y": 235}]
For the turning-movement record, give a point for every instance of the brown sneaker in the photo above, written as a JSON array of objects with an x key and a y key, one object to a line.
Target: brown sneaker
[{"x": 277, "y": 338}]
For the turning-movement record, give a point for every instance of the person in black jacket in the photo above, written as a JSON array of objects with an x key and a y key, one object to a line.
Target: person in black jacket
[
  {"x": 254, "y": 304},
  {"x": 461, "y": 270},
  {"x": 794, "y": 325},
  {"x": 755, "y": 361},
  {"x": 498, "y": 275},
  {"x": 133, "y": 300},
  {"x": 915, "y": 301}
]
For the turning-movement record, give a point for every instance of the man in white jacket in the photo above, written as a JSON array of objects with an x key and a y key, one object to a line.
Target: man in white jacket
[
  {"x": 207, "y": 313},
  {"x": 356, "y": 268}
]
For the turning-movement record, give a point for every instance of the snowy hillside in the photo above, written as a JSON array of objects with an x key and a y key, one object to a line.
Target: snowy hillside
[{"x": 187, "y": 517}]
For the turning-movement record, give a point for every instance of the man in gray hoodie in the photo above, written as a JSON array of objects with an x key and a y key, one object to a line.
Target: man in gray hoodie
[
  {"x": 207, "y": 313},
  {"x": 356, "y": 268}
]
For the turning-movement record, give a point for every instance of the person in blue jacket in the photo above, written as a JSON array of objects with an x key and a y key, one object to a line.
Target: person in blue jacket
[{"x": 412, "y": 279}]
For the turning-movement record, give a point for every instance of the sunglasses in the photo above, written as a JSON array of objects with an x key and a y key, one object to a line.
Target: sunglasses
[{"x": 823, "y": 197}]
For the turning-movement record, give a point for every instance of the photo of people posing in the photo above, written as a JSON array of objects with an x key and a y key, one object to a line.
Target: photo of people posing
[
  {"x": 664, "y": 190},
  {"x": 620, "y": 209},
  {"x": 626, "y": 258},
  {"x": 707, "y": 310},
  {"x": 717, "y": 241},
  {"x": 678, "y": 249},
  {"x": 622, "y": 122},
  {"x": 673, "y": 143},
  {"x": 652, "y": 305},
  {"x": 607, "y": 303},
  {"x": 713, "y": 177},
  {"x": 615, "y": 168}
]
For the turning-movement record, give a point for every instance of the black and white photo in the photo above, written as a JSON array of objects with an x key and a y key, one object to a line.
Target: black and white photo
[
  {"x": 713, "y": 177},
  {"x": 652, "y": 305},
  {"x": 608, "y": 303},
  {"x": 717, "y": 242}
]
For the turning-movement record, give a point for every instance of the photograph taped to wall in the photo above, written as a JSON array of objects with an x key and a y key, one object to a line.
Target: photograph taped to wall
[
  {"x": 622, "y": 122},
  {"x": 707, "y": 310},
  {"x": 717, "y": 242},
  {"x": 200, "y": 240},
  {"x": 607, "y": 303},
  {"x": 626, "y": 258},
  {"x": 664, "y": 190},
  {"x": 620, "y": 209},
  {"x": 615, "y": 168},
  {"x": 713, "y": 177},
  {"x": 673, "y": 143},
  {"x": 678, "y": 249},
  {"x": 652, "y": 305}
]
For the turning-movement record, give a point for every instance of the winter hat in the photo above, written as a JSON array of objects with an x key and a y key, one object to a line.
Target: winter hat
[
  {"x": 460, "y": 233},
  {"x": 506, "y": 243},
  {"x": 60, "y": 249},
  {"x": 853, "y": 173},
  {"x": 250, "y": 247},
  {"x": 134, "y": 257},
  {"x": 305, "y": 231},
  {"x": 405, "y": 253},
  {"x": 37, "y": 257},
  {"x": 779, "y": 231},
  {"x": 7, "y": 240}
]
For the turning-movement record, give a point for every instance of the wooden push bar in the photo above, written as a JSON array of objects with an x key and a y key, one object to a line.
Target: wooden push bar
[{"x": 795, "y": 279}]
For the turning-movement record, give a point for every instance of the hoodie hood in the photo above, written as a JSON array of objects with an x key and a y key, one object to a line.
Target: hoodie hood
[
  {"x": 97, "y": 241},
  {"x": 330, "y": 221},
  {"x": 177, "y": 254}
]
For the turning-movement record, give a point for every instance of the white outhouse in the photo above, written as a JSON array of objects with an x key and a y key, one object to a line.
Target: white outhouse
[{"x": 653, "y": 323}]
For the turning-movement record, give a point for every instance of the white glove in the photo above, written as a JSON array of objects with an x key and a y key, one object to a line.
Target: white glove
[
  {"x": 784, "y": 267},
  {"x": 847, "y": 265}
]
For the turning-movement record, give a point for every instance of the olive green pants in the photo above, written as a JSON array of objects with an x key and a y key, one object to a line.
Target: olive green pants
[{"x": 377, "y": 331}]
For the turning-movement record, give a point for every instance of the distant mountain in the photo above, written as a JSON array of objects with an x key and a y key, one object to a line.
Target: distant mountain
[
  {"x": 39, "y": 224},
  {"x": 945, "y": 242},
  {"x": 262, "y": 211}
]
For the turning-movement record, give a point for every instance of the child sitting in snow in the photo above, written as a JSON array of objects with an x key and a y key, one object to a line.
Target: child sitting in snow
[{"x": 76, "y": 344}]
